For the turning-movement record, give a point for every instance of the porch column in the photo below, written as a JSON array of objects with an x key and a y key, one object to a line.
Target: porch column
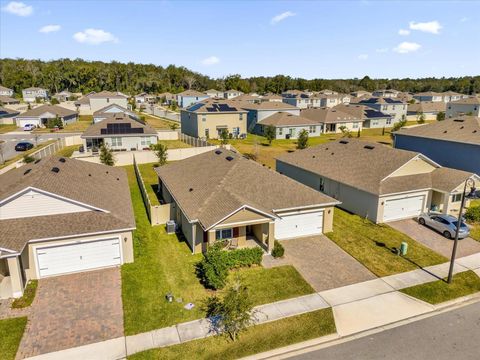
[
  {"x": 15, "y": 276},
  {"x": 194, "y": 237},
  {"x": 211, "y": 237},
  {"x": 271, "y": 236}
]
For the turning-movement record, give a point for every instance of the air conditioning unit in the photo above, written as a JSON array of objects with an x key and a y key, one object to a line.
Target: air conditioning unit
[{"x": 171, "y": 227}]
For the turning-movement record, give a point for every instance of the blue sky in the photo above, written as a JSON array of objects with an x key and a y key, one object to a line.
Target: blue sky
[{"x": 311, "y": 39}]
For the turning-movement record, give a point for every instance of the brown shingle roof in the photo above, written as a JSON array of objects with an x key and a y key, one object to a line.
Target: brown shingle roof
[
  {"x": 208, "y": 187},
  {"x": 465, "y": 129},
  {"x": 107, "y": 94},
  {"x": 95, "y": 185},
  {"x": 427, "y": 107},
  {"x": 268, "y": 105},
  {"x": 191, "y": 93},
  {"x": 336, "y": 114},
  {"x": 95, "y": 130},
  {"x": 286, "y": 119},
  {"x": 54, "y": 109},
  {"x": 8, "y": 100},
  {"x": 473, "y": 100}
]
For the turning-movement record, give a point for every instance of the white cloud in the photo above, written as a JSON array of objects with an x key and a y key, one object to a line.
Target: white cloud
[
  {"x": 211, "y": 60},
  {"x": 18, "y": 8},
  {"x": 381, "y": 50},
  {"x": 276, "y": 19},
  {"x": 407, "y": 47},
  {"x": 363, "y": 57},
  {"x": 94, "y": 36},
  {"x": 49, "y": 28},
  {"x": 432, "y": 27},
  {"x": 464, "y": 19},
  {"x": 403, "y": 32}
]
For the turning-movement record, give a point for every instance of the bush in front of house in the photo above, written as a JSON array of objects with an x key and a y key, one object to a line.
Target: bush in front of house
[
  {"x": 473, "y": 214},
  {"x": 213, "y": 269},
  {"x": 278, "y": 249}
]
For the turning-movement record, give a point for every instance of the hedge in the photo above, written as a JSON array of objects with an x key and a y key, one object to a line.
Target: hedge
[{"x": 473, "y": 214}]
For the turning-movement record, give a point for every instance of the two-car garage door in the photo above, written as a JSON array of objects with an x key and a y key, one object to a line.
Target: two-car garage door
[
  {"x": 403, "y": 208},
  {"x": 290, "y": 226},
  {"x": 63, "y": 259}
]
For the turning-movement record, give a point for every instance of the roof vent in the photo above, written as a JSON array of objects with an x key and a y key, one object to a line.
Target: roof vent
[
  {"x": 37, "y": 161},
  {"x": 461, "y": 127},
  {"x": 62, "y": 160},
  {"x": 445, "y": 132},
  {"x": 118, "y": 179},
  {"x": 343, "y": 141},
  {"x": 89, "y": 174},
  {"x": 218, "y": 152},
  {"x": 458, "y": 120},
  {"x": 313, "y": 156},
  {"x": 229, "y": 158},
  {"x": 27, "y": 171},
  {"x": 474, "y": 131},
  {"x": 55, "y": 169},
  {"x": 332, "y": 153},
  {"x": 190, "y": 190},
  {"x": 369, "y": 147}
]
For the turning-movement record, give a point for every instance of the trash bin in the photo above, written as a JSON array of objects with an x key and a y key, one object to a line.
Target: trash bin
[
  {"x": 169, "y": 297},
  {"x": 403, "y": 248}
]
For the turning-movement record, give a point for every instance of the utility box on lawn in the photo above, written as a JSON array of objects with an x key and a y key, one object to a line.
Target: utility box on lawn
[{"x": 403, "y": 248}]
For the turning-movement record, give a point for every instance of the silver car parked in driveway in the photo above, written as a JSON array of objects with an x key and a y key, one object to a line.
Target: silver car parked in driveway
[{"x": 444, "y": 224}]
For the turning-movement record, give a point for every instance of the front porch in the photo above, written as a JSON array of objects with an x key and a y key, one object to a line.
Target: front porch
[
  {"x": 12, "y": 281},
  {"x": 446, "y": 203}
]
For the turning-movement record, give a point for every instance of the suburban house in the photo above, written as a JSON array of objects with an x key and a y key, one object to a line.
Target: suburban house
[
  {"x": 467, "y": 106},
  {"x": 207, "y": 119},
  {"x": 121, "y": 133},
  {"x": 429, "y": 109},
  {"x": 300, "y": 101},
  {"x": 370, "y": 118},
  {"x": 230, "y": 94},
  {"x": 167, "y": 98},
  {"x": 61, "y": 216},
  {"x": 210, "y": 202},
  {"x": 288, "y": 126},
  {"x": 452, "y": 142},
  {"x": 361, "y": 93},
  {"x": 433, "y": 96},
  {"x": 376, "y": 181},
  {"x": 4, "y": 91},
  {"x": 394, "y": 107},
  {"x": 247, "y": 98},
  {"x": 387, "y": 93},
  {"x": 83, "y": 104},
  {"x": 143, "y": 98},
  {"x": 189, "y": 97},
  {"x": 7, "y": 116},
  {"x": 271, "y": 97},
  {"x": 40, "y": 115},
  {"x": 107, "y": 111},
  {"x": 449, "y": 96},
  {"x": 104, "y": 98},
  {"x": 259, "y": 111},
  {"x": 333, "y": 120},
  {"x": 7, "y": 100},
  {"x": 215, "y": 93},
  {"x": 33, "y": 93},
  {"x": 63, "y": 96},
  {"x": 290, "y": 93}
]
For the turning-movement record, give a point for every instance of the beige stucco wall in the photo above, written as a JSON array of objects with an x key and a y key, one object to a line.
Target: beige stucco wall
[
  {"x": 15, "y": 276},
  {"x": 328, "y": 219},
  {"x": 242, "y": 216},
  {"x": 413, "y": 167},
  {"x": 194, "y": 125},
  {"x": 28, "y": 254}
]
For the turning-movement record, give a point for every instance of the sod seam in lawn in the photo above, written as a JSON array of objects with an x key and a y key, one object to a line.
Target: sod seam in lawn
[
  {"x": 435, "y": 292},
  {"x": 254, "y": 340},
  {"x": 164, "y": 264},
  {"x": 363, "y": 240},
  {"x": 11, "y": 332}
]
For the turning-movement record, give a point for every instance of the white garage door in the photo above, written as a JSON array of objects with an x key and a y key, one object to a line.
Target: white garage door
[
  {"x": 64, "y": 259},
  {"x": 403, "y": 208},
  {"x": 290, "y": 226}
]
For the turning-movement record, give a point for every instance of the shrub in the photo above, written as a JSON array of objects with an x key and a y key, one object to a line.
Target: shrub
[
  {"x": 278, "y": 249},
  {"x": 28, "y": 159},
  {"x": 473, "y": 214},
  {"x": 244, "y": 257}
]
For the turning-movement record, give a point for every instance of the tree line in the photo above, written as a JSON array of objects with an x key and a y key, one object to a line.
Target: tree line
[{"x": 85, "y": 76}]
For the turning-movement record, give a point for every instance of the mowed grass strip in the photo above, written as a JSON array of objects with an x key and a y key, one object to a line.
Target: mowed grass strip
[
  {"x": 11, "y": 332},
  {"x": 258, "y": 338},
  {"x": 435, "y": 292},
  {"x": 164, "y": 263},
  {"x": 371, "y": 245}
]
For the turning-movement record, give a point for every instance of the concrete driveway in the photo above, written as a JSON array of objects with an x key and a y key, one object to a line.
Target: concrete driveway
[
  {"x": 434, "y": 240},
  {"x": 322, "y": 263},
  {"x": 73, "y": 310}
]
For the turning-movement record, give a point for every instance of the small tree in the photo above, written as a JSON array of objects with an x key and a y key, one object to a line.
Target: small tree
[
  {"x": 269, "y": 133},
  {"x": 345, "y": 131},
  {"x": 106, "y": 155},
  {"x": 173, "y": 105},
  {"x": 359, "y": 133},
  {"x": 441, "y": 116},
  {"x": 233, "y": 312},
  {"x": 383, "y": 131},
  {"x": 224, "y": 137},
  {"x": 397, "y": 126},
  {"x": 173, "y": 126},
  {"x": 420, "y": 118},
  {"x": 54, "y": 101},
  {"x": 302, "y": 142},
  {"x": 161, "y": 151}
]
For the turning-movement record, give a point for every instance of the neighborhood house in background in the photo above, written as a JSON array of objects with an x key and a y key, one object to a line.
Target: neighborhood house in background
[
  {"x": 40, "y": 116},
  {"x": 31, "y": 95}
]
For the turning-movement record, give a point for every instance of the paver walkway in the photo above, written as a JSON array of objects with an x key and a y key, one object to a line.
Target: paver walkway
[
  {"x": 433, "y": 240},
  {"x": 356, "y": 307},
  {"x": 73, "y": 310}
]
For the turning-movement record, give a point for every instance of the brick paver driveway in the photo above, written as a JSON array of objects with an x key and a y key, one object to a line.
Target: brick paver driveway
[
  {"x": 74, "y": 310},
  {"x": 435, "y": 241},
  {"x": 322, "y": 263}
]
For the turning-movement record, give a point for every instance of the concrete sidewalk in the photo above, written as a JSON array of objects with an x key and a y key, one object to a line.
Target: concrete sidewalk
[{"x": 356, "y": 308}]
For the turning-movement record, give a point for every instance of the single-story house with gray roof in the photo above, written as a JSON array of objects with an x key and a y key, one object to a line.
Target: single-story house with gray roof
[
  {"x": 40, "y": 115},
  {"x": 61, "y": 216},
  {"x": 376, "y": 181},
  {"x": 289, "y": 126},
  {"x": 210, "y": 202}
]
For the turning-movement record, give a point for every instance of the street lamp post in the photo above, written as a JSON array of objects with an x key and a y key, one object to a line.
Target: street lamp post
[{"x": 469, "y": 182}]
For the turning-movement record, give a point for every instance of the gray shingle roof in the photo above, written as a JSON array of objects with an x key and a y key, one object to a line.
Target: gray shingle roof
[
  {"x": 286, "y": 119},
  {"x": 95, "y": 130},
  {"x": 54, "y": 109}
]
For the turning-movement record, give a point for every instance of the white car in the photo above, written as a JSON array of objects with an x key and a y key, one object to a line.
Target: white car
[{"x": 28, "y": 127}]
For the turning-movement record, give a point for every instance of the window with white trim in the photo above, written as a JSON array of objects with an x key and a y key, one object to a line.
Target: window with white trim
[
  {"x": 456, "y": 197},
  {"x": 355, "y": 125},
  {"x": 223, "y": 234},
  {"x": 312, "y": 129},
  {"x": 145, "y": 140},
  {"x": 117, "y": 141},
  {"x": 388, "y": 121}
]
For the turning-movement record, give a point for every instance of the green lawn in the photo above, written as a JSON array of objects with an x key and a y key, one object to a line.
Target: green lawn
[
  {"x": 11, "y": 331},
  {"x": 254, "y": 340},
  {"x": 174, "y": 144},
  {"x": 67, "y": 151},
  {"x": 150, "y": 179},
  {"x": 363, "y": 240},
  {"x": 158, "y": 122},
  {"x": 164, "y": 263},
  {"x": 435, "y": 292},
  {"x": 84, "y": 121},
  {"x": 28, "y": 296},
  {"x": 4, "y": 128}
]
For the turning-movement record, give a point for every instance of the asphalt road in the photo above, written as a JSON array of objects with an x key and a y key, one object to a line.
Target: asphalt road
[
  {"x": 11, "y": 139},
  {"x": 451, "y": 335}
]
